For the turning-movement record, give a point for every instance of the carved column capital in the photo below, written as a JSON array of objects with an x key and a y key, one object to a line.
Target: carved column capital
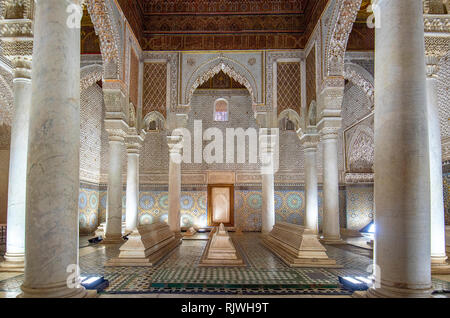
[
  {"x": 134, "y": 144},
  {"x": 16, "y": 36},
  {"x": 432, "y": 65},
  {"x": 310, "y": 142},
  {"x": 116, "y": 129},
  {"x": 175, "y": 144}
]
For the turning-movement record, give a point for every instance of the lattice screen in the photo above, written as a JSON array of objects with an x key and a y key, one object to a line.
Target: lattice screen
[
  {"x": 288, "y": 86},
  {"x": 155, "y": 87}
]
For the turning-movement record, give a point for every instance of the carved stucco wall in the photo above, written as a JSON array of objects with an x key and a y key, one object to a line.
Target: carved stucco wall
[
  {"x": 359, "y": 155},
  {"x": 444, "y": 104},
  {"x": 91, "y": 126},
  {"x": 6, "y": 97}
]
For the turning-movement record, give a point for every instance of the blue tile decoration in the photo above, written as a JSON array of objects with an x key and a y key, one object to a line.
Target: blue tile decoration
[{"x": 359, "y": 206}]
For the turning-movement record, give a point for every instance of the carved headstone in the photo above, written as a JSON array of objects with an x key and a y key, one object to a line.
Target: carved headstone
[
  {"x": 146, "y": 246},
  {"x": 220, "y": 250},
  {"x": 298, "y": 246}
]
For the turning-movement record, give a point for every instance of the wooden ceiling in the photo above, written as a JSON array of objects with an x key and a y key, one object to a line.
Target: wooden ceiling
[
  {"x": 166, "y": 25},
  {"x": 222, "y": 24}
]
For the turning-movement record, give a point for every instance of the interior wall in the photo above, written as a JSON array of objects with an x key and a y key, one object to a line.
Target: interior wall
[
  {"x": 446, "y": 181},
  {"x": 4, "y": 172}
]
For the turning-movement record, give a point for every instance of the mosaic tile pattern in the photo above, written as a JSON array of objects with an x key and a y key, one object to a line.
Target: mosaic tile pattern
[
  {"x": 289, "y": 207},
  {"x": 360, "y": 208},
  {"x": 153, "y": 207},
  {"x": 88, "y": 207}
]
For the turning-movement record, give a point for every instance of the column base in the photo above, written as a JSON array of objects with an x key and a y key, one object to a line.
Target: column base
[
  {"x": 439, "y": 265},
  {"x": 113, "y": 239},
  {"x": 59, "y": 290},
  {"x": 393, "y": 293},
  {"x": 13, "y": 263},
  {"x": 332, "y": 240}
]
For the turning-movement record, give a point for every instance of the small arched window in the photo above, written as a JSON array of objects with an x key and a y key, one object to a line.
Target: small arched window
[{"x": 221, "y": 110}]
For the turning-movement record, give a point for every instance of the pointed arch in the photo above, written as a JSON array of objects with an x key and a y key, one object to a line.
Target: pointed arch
[
  {"x": 361, "y": 78},
  {"x": 154, "y": 116},
  {"x": 294, "y": 117},
  {"x": 107, "y": 30},
  {"x": 230, "y": 67},
  {"x": 344, "y": 16},
  {"x": 89, "y": 75}
]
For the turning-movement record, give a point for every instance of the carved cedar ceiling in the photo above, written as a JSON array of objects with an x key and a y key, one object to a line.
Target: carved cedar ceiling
[
  {"x": 362, "y": 38},
  {"x": 222, "y": 24},
  {"x": 90, "y": 43}
]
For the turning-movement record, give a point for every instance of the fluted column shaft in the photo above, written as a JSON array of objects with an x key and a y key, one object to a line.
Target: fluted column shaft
[
  {"x": 175, "y": 149},
  {"x": 438, "y": 255},
  {"x": 402, "y": 163},
  {"x": 51, "y": 236},
  {"x": 113, "y": 229},
  {"x": 132, "y": 194},
  {"x": 331, "y": 227},
  {"x": 15, "y": 236}
]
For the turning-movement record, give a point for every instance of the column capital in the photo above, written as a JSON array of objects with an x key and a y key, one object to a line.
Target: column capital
[
  {"x": 16, "y": 37},
  {"x": 329, "y": 127},
  {"x": 21, "y": 67},
  {"x": 432, "y": 63},
  {"x": 116, "y": 101},
  {"x": 116, "y": 129},
  {"x": 310, "y": 141},
  {"x": 175, "y": 144},
  {"x": 329, "y": 101},
  {"x": 134, "y": 141}
]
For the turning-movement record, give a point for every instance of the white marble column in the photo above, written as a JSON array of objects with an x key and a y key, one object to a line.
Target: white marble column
[
  {"x": 175, "y": 152},
  {"x": 15, "y": 236},
  {"x": 311, "y": 190},
  {"x": 438, "y": 255},
  {"x": 267, "y": 145},
  {"x": 51, "y": 236},
  {"x": 331, "y": 227},
  {"x": 132, "y": 194},
  {"x": 268, "y": 203},
  {"x": 402, "y": 169},
  {"x": 113, "y": 228}
]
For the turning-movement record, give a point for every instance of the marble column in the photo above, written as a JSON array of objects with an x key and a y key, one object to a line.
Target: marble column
[
  {"x": 132, "y": 194},
  {"x": 268, "y": 203},
  {"x": 267, "y": 179},
  {"x": 331, "y": 227},
  {"x": 51, "y": 236},
  {"x": 438, "y": 255},
  {"x": 175, "y": 151},
  {"x": 311, "y": 191},
  {"x": 15, "y": 236},
  {"x": 113, "y": 228},
  {"x": 402, "y": 165}
]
